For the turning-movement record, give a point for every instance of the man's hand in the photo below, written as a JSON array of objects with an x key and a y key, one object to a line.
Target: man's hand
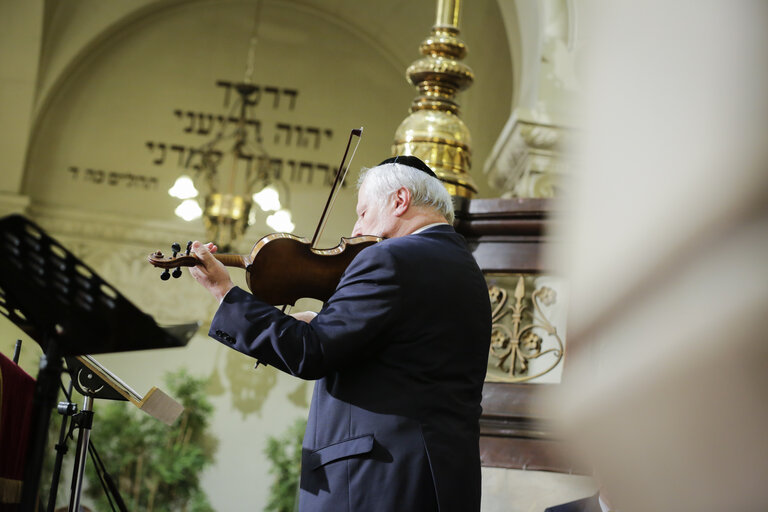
[
  {"x": 304, "y": 316},
  {"x": 210, "y": 272}
]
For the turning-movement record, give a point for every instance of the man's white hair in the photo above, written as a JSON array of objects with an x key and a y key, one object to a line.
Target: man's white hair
[{"x": 385, "y": 180}]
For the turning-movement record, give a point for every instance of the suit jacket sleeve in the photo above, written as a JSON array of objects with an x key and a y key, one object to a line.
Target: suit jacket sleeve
[{"x": 349, "y": 326}]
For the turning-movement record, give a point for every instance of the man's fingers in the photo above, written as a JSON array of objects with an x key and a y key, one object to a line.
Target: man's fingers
[
  {"x": 211, "y": 272},
  {"x": 202, "y": 252}
]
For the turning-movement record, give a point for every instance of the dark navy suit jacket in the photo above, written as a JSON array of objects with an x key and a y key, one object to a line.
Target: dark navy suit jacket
[{"x": 400, "y": 351}]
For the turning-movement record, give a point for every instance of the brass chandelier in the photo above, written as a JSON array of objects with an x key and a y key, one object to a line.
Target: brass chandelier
[{"x": 233, "y": 174}]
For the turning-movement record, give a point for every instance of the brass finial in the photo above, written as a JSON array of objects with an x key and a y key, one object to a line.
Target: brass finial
[{"x": 433, "y": 130}]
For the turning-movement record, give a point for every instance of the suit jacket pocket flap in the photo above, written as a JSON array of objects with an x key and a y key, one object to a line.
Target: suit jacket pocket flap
[{"x": 336, "y": 451}]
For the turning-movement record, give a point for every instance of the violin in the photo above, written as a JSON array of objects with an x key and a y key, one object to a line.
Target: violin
[{"x": 281, "y": 267}]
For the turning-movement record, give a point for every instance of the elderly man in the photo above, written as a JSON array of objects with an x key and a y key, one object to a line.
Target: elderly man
[{"x": 399, "y": 352}]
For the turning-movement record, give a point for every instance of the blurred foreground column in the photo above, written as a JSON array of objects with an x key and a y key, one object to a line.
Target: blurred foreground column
[{"x": 667, "y": 390}]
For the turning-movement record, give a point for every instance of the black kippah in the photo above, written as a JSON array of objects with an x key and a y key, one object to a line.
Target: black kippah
[{"x": 410, "y": 161}]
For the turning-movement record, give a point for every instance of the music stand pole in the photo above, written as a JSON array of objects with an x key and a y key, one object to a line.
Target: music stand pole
[{"x": 85, "y": 422}]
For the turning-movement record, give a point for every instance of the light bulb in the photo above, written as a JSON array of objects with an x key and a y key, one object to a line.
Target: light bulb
[
  {"x": 189, "y": 210},
  {"x": 281, "y": 221},
  {"x": 183, "y": 188},
  {"x": 268, "y": 199}
]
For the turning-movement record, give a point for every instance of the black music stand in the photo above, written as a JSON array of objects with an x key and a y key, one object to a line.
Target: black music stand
[
  {"x": 93, "y": 381},
  {"x": 68, "y": 310}
]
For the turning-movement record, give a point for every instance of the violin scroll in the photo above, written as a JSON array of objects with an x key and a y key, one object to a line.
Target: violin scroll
[{"x": 158, "y": 259}]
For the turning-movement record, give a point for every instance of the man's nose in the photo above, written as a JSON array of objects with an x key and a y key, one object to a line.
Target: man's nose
[{"x": 356, "y": 230}]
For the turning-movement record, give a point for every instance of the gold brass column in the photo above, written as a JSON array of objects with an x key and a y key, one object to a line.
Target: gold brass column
[{"x": 433, "y": 131}]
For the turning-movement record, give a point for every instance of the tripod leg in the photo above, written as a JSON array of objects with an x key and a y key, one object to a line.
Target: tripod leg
[{"x": 82, "y": 452}]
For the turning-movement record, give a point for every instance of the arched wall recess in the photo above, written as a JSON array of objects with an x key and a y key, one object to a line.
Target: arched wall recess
[
  {"x": 116, "y": 100},
  {"x": 114, "y": 130},
  {"x": 74, "y": 29}
]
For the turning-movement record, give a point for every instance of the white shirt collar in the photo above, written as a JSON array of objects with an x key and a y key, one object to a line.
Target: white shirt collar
[
  {"x": 422, "y": 228},
  {"x": 603, "y": 506}
]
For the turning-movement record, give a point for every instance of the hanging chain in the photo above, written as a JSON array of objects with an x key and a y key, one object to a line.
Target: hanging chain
[{"x": 251, "y": 61}]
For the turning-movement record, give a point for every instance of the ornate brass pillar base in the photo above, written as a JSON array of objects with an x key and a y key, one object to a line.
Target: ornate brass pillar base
[
  {"x": 433, "y": 131},
  {"x": 442, "y": 141}
]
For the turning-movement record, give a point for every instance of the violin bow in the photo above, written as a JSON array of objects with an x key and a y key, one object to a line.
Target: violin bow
[{"x": 357, "y": 132}]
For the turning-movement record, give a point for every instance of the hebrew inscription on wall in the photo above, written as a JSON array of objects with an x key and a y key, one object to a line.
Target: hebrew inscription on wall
[{"x": 168, "y": 155}]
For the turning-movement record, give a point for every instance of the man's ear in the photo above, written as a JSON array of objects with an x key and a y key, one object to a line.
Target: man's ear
[{"x": 402, "y": 197}]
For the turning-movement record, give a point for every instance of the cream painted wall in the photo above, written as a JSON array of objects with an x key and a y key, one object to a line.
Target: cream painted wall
[{"x": 20, "y": 40}]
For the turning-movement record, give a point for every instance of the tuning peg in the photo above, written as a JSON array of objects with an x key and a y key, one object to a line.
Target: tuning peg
[
  {"x": 189, "y": 247},
  {"x": 176, "y": 273},
  {"x": 166, "y": 275},
  {"x": 176, "y": 248}
]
